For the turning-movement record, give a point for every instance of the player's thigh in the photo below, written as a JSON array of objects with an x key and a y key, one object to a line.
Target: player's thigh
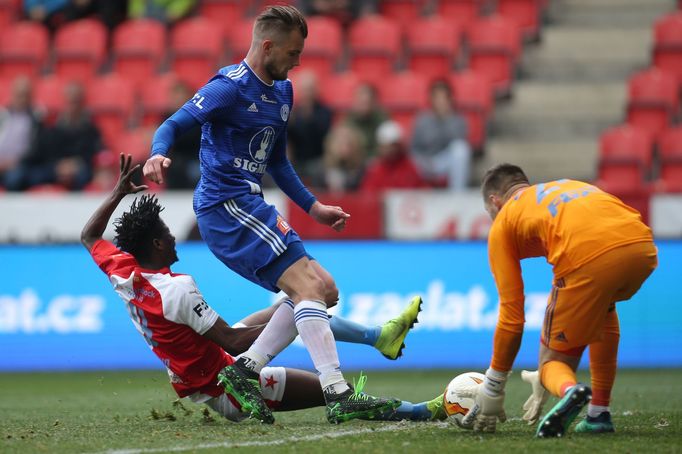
[
  {"x": 580, "y": 302},
  {"x": 331, "y": 291},
  {"x": 301, "y": 282}
]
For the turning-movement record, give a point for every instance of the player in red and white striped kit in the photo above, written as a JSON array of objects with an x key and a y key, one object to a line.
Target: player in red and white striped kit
[{"x": 190, "y": 338}]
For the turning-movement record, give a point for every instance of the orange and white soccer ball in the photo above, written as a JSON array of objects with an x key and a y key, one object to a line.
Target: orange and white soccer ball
[{"x": 455, "y": 405}]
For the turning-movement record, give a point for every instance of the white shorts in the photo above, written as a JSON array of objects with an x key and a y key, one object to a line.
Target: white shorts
[{"x": 272, "y": 383}]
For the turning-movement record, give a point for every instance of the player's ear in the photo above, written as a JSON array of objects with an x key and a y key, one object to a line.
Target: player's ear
[{"x": 267, "y": 46}]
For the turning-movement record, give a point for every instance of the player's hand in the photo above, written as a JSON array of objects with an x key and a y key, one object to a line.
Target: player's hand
[
  {"x": 488, "y": 403},
  {"x": 332, "y": 216},
  {"x": 155, "y": 168},
  {"x": 537, "y": 399},
  {"x": 125, "y": 184}
]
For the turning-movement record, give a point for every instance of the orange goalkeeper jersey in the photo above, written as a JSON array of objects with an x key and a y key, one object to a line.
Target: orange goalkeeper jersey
[{"x": 568, "y": 222}]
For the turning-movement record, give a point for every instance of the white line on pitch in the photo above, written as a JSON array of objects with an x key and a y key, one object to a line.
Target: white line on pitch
[{"x": 246, "y": 444}]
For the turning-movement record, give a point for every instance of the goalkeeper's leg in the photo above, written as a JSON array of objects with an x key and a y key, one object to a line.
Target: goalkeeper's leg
[{"x": 603, "y": 364}]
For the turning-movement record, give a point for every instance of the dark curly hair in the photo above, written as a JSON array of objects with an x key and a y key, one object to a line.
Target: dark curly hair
[{"x": 137, "y": 227}]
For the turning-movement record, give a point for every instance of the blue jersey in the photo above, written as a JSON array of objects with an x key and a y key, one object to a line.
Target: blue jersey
[{"x": 244, "y": 122}]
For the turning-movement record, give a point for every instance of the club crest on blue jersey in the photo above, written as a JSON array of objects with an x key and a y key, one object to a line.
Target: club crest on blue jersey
[{"x": 284, "y": 112}]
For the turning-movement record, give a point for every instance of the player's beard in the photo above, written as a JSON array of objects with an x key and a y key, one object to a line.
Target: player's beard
[{"x": 275, "y": 73}]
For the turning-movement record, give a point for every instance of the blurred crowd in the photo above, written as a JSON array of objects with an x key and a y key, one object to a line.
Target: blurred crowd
[{"x": 360, "y": 149}]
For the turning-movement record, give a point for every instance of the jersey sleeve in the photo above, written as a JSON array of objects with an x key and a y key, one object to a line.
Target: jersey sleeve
[
  {"x": 187, "y": 306},
  {"x": 212, "y": 100},
  {"x": 505, "y": 265},
  {"x": 111, "y": 259}
]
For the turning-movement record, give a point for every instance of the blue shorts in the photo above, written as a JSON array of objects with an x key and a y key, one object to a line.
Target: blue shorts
[{"x": 252, "y": 239}]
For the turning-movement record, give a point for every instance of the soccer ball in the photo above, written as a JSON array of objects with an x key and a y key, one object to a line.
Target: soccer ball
[{"x": 455, "y": 405}]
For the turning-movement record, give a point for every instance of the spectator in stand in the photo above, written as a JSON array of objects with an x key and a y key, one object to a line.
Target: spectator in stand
[
  {"x": 345, "y": 11},
  {"x": 20, "y": 124},
  {"x": 54, "y": 13},
  {"x": 167, "y": 11},
  {"x": 63, "y": 154},
  {"x": 309, "y": 124},
  {"x": 344, "y": 159},
  {"x": 366, "y": 114},
  {"x": 439, "y": 144},
  {"x": 393, "y": 167},
  {"x": 184, "y": 173}
]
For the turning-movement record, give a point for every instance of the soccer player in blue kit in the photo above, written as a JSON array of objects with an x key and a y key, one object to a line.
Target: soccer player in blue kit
[{"x": 244, "y": 111}]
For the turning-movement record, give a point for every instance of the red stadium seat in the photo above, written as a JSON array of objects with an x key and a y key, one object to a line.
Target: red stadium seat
[
  {"x": 110, "y": 99},
  {"x": 136, "y": 142},
  {"x": 403, "y": 12},
  {"x": 9, "y": 10},
  {"x": 49, "y": 95},
  {"x": 197, "y": 45},
  {"x": 653, "y": 100},
  {"x": 668, "y": 44},
  {"x": 625, "y": 158},
  {"x": 432, "y": 46},
  {"x": 138, "y": 47},
  {"x": 494, "y": 47},
  {"x": 23, "y": 49},
  {"x": 461, "y": 12},
  {"x": 403, "y": 95},
  {"x": 223, "y": 11},
  {"x": 374, "y": 46},
  {"x": 80, "y": 48},
  {"x": 526, "y": 13},
  {"x": 155, "y": 99},
  {"x": 5, "y": 90},
  {"x": 338, "y": 90},
  {"x": 324, "y": 45},
  {"x": 238, "y": 37},
  {"x": 474, "y": 99},
  {"x": 670, "y": 157}
]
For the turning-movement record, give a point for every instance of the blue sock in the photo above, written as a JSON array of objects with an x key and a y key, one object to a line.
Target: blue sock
[
  {"x": 411, "y": 412},
  {"x": 346, "y": 331}
]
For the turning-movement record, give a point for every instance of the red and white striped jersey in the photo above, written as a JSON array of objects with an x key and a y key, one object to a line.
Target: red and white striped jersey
[{"x": 171, "y": 314}]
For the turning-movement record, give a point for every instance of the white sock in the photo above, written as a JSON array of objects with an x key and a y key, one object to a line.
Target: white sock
[
  {"x": 275, "y": 337},
  {"x": 313, "y": 326},
  {"x": 595, "y": 410}
]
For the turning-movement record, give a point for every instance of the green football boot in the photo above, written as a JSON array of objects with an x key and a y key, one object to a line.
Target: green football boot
[
  {"x": 557, "y": 420},
  {"x": 597, "y": 425},
  {"x": 391, "y": 341},
  {"x": 242, "y": 384},
  {"x": 355, "y": 404},
  {"x": 437, "y": 408}
]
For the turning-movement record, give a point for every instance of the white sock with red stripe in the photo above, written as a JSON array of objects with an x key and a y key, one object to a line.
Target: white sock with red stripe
[
  {"x": 312, "y": 323},
  {"x": 275, "y": 337}
]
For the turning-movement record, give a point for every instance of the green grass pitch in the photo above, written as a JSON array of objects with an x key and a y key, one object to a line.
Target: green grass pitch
[{"x": 134, "y": 412}]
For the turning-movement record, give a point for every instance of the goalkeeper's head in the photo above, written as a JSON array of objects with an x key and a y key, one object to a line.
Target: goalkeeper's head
[
  {"x": 140, "y": 231},
  {"x": 499, "y": 184}
]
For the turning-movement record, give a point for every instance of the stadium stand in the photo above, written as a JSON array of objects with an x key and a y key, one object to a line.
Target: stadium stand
[
  {"x": 625, "y": 158},
  {"x": 23, "y": 49},
  {"x": 80, "y": 49},
  {"x": 196, "y": 49},
  {"x": 494, "y": 49},
  {"x": 403, "y": 94},
  {"x": 324, "y": 46},
  {"x": 404, "y": 12},
  {"x": 462, "y": 12},
  {"x": 474, "y": 99},
  {"x": 138, "y": 48},
  {"x": 49, "y": 95},
  {"x": 653, "y": 100},
  {"x": 670, "y": 158},
  {"x": 668, "y": 44},
  {"x": 374, "y": 47},
  {"x": 432, "y": 46},
  {"x": 155, "y": 99},
  {"x": 111, "y": 101},
  {"x": 526, "y": 13}
]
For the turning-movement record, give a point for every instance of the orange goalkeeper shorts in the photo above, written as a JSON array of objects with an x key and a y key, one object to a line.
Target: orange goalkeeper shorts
[{"x": 578, "y": 304}]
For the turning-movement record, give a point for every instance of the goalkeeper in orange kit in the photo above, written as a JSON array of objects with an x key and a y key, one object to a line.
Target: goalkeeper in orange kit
[{"x": 601, "y": 253}]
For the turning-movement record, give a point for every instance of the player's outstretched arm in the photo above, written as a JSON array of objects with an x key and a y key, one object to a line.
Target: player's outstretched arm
[
  {"x": 233, "y": 340},
  {"x": 97, "y": 223}
]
